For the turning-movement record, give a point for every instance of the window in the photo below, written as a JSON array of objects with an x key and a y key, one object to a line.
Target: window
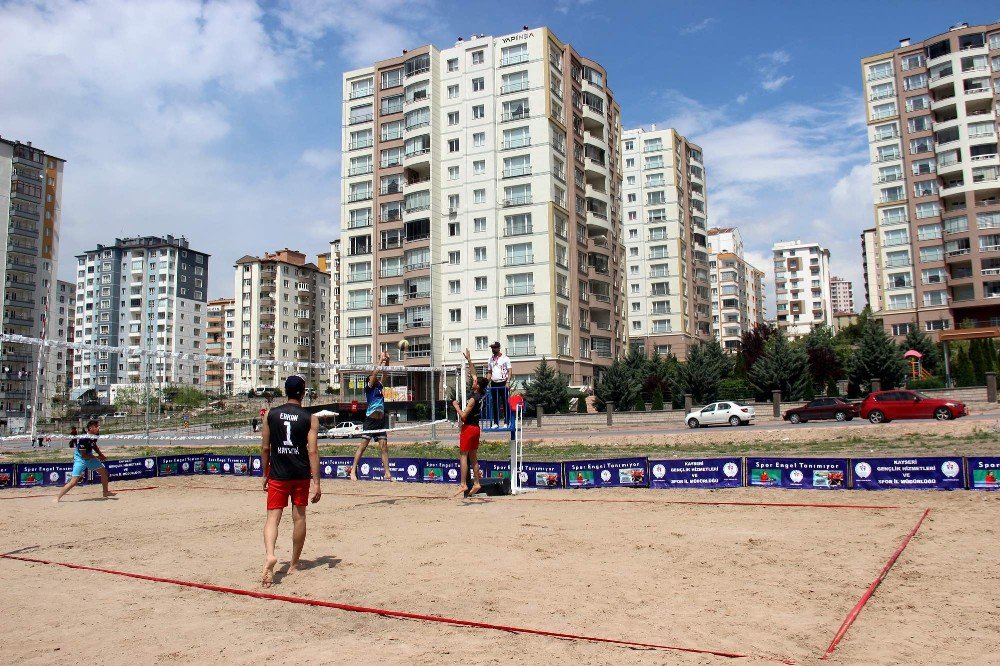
[
  {"x": 482, "y": 341},
  {"x": 452, "y": 92},
  {"x": 455, "y": 315},
  {"x": 478, "y": 196},
  {"x": 918, "y": 103},
  {"x": 479, "y": 167},
  {"x": 392, "y": 79},
  {"x": 479, "y": 254},
  {"x": 482, "y": 312},
  {"x": 454, "y": 287},
  {"x": 454, "y": 257},
  {"x": 901, "y": 329},
  {"x": 900, "y": 301},
  {"x": 513, "y": 55},
  {"x": 936, "y": 298},
  {"x": 453, "y": 117},
  {"x": 885, "y": 110},
  {"x": 453, "y": 173},
  {"x": 912, "y": 61},
  {"x": 519, "y": 165},
  {"x": 925, "y": 210},
  {"x": 933, "y": 276},
  {"x": 478, "y": 139},
  {"x": 454, "y": 228},
  {"x": 938, "y": 325},
  {"x": 478, "y": 84},
  {"x": 481, "y": 283},
  {"x": 452, "y": 145},
  {"x": 929, "y": 232},
  {"x": 935, "y": 253},
  {"x": 453, "y": 64},
  {"x": 477, "y": 58},
  {"x": 478, "y": 111},
  {"x": 453, "y": 201},
  {"x": 479, "y": 225},
  {"x": 880, "y": 70}
]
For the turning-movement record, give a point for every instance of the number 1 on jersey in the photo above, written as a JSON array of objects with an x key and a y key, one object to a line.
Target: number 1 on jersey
[{"x": 288, "y": 434}]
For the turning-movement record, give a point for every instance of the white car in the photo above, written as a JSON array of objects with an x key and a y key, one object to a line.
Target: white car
[
  {"x": 721, "y": 413},
  {"x": 345, "y": 429}
]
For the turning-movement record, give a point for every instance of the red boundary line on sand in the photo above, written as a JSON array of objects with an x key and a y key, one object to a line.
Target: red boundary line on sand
[
  {"x": 118, "y": 490},
  {"x": 593, "y": 499},
  {"x": 388, "y": 613},
  {"x": 854, "y": 612}
]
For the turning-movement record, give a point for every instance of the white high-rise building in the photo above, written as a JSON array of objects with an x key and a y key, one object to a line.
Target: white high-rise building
[
  {"x": 59, "y": 365},
  {"x": 481, "y": 202},
  {"x": 145, "y": 292},
  {"x": 871, "y": 258},
  {"x": 29, "y": 251},
  {"x": 666, "y": 225},
  {"x": 841, "y": 294},
  {"x": 282, "y": 314},
  {"x": 737, "y": 288},
  {"x": 802, "y": 287},
  {"x": 219, "y": 378},
  {"x": 329, "y": 263}
]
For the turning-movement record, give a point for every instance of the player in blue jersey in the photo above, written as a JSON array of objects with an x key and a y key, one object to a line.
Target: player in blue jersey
[{"x": 376, "y": 421}]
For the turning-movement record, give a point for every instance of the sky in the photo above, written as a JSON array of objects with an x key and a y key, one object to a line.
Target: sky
[{"x": 220, "y": 120}]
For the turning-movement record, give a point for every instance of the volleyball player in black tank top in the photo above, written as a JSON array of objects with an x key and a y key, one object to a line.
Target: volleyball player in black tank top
[
  {"x": 468, "y": 438},
  {"x": 290, "y": 460}
]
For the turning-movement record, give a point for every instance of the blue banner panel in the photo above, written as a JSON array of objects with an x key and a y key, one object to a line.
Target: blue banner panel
[
  {"x": 180, "y": 465},
  {"x": 984, "y": 473},
  {"x": 128, "y": 469},
  {"x": 45, "y": 474},
  {"x": 541, "y": 475},
  {"x": 438, "y": 470},
  {"x": 495, "y": 469},
  {"x": 703, "y": 473},
  {"x": 335, "y": 467},
  {"x": 610, "y": 473},
  {"x": 227, "y": 465},
  {"x": 401, "y": 469},
  {"x": 810, "y": 473},
  {"x": 7, "y": 476},
  {"x": 930, "y": 473},
  {"x": 256, "y": 466}
]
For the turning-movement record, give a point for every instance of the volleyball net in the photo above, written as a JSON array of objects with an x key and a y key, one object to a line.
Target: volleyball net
[{"x": 159, "y": 397}]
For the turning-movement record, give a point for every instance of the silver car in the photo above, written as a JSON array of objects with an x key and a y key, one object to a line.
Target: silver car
[{"x": 721, "y": 413}]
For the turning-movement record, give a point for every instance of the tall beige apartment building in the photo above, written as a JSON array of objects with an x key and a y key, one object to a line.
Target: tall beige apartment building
[
  {"x": 29, "y": 250},
  {"x": 871, "y": 269},
  {"x": 737, "y": 288},
  {"x": 932, "y": 126},
  {"x": 481, "y": 189},
  {"x": 329, "y": 263},
  {"x": 666, "y": 225},
  {"x": 841, "y": 295},
  {"x": 281, "y": 314},
  {"x": 219, "y": 378}
]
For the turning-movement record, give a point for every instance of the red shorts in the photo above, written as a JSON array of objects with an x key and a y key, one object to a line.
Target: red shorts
[
  {"x": 468, "y": 438},
  {"x": 278, "y": 493}
]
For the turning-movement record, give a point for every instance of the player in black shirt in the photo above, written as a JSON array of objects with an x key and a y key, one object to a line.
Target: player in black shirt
[
  {"x": 468, "y": 438},
  {"x": 87, "y": 457},
  {"x": 290, "y": 460}
]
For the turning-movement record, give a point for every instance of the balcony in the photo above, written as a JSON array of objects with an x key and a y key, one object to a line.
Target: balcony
[
  {"x": 521, "y": 142},
  {"x": 516, "y": 172},
  {"x": 359, "y": 305},
  {"x": 22, "y": 230},
  {"x": 359, "y": 277},
  {"x": 519, "y": 260},
  {"x": 509, "y": 116},
  {"x": 519, "y": 350},
  {"x": 360, "y": 118},
  {"x": 520, "y": 290},
  {"x": 517, "y": 230},
  {"x": 523, "y": 200},
  {"x": 354, "y": 197},
  {"x": 520, "y": 320},
  {"x": 514, "y": 87}
]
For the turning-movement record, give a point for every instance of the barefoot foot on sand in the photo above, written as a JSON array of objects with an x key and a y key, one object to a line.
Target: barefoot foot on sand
[
  {"x": 475, "y": 489},
  {"x": 268, "y": 576},
  {"x": 461, "y": 491},
  {"x": 109, "y": 494}
]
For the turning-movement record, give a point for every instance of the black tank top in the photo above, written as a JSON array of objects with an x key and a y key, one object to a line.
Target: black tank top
[
  {"x": 473, "y": 417},
  {"x": 289, "y": 429}
]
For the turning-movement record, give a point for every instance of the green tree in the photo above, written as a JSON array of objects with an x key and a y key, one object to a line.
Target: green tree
[
  {"x": 657, "y": 401},
  {"x": 705, "y": 368},
  {"x": 783, "y": 366},
  {"x": 581, "y": 403},
  {"x": 182, "y": 395},
  {"x": 962, "y": 372},
  {"x": 128, "y": 396},
  {"x": 752, "y": 344},
  {"x": 548, "y": 389},
  {"x": 618, "y": 385},
  {"x": 919, "y": 341},
  {"x": 824, "y": 364},
  {"x": 640, "y": 404},
  {"x": 876, "y": 356}
]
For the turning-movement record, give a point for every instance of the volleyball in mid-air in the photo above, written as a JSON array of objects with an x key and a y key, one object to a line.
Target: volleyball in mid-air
[{"x": 403, "y": 344}]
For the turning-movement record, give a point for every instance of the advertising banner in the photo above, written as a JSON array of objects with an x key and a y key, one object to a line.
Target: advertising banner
[
  {"x": 335, "y": 467},
  {"x": 128, "y": 469},
  {"x": 541, "y": 475},
  {"x": 703, "y": 473},
  {"x": 930, "y": 473},
  {"x": 401, "y": 469},
  {"x": 612, "y": 473},
  {"x": 45, "y": 474},
  {"x": 180, "y": 465},
  {"x": 809, "y": 473},
  {"x": 984, "y": 473},
  {"x": 7, "y": 476},
  {"x": 227, "y": 465},
  {"x": 256, "y": 467},
  {"x": 495, "y": 469},
  {"x": 437, "y": 470}
]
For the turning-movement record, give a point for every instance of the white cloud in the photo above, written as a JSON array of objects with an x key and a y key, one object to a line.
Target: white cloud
[
  {"x": 769, "y": 68},
  {"x": 564, "y": 6},
  {"x": 776, "y": 83},
  {"x": 692, "y": 28},
  {"x": 153, "y": 105}
]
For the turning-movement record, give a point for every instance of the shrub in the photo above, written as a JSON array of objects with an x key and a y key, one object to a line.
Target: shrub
[
  {"x": 657, "y": 405},
  {"x": 640, "y": 404},
  {"x": 581, "y": 403},
  {"x": 929, "y": 383}
]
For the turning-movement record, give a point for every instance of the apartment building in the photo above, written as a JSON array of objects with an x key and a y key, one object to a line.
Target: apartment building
[
  {"x": 737, "y": 288},
  {"x": 481, "y": 189},
  {"x": 29, "y": 249},
  {"x": 871, "y": 269},
  {"x": 59, "y": 360},
  {"x": 329, "y": 263},
  {"x": 219, "y": 378},
  {"x": 841, "y": 294},
  {"x": 146, "y": 291},
  {"x": 665, "y": 207},
  {"x": 281, "y": 313},
  {"x": 932, "y": 126},
  {"x": 802, "y": 287}
]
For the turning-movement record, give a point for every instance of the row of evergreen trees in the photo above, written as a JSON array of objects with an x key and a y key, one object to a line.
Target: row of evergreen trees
[{"x": 767, "y": 361}]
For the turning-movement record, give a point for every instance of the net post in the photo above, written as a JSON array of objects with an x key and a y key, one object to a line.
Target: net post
[{"x": 433, "y": 407}]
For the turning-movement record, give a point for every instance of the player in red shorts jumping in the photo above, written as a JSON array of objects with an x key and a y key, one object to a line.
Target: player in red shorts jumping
[
  {"x": 468, "y": 438},
  {"x": 290, "y": 460}
]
